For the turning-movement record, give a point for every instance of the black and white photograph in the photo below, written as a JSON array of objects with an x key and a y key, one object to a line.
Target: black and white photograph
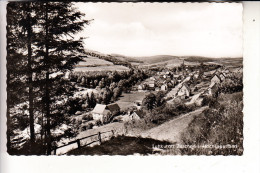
[{"x": 124, "y": 79}]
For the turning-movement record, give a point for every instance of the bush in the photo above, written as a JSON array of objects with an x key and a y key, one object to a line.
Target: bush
[
  {"x": 87, "y": 117},
  {"x": 232, "y": 84},
  {"x": 221, "y": 124},
  {"x": 87, "y": 126},
  {"x": 99, "y": 123},
  {"x": 210, "y": 101}
]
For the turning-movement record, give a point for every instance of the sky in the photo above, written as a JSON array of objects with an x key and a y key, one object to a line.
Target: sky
[{"x": 180, "y": 29}]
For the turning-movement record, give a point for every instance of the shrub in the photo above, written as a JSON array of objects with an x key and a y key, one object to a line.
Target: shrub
[
  {"x": 87, "y": 117},
  {"x": 210, "y": 101},
  {"x": 87, "y": 126},
  {"x": 221, "y": 124},
  {"x": 99, "y": 123}
]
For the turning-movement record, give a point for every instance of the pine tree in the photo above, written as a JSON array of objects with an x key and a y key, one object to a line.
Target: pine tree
[
  {"x": 58, "y": 22},
  {"x": 19, "y": 59}
]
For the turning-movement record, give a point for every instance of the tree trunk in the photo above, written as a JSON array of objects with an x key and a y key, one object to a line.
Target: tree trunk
[
  {"x": 29, "y": 66},
  {"x": 47, "y": 94},
  {"x": 8, "y": 123}
]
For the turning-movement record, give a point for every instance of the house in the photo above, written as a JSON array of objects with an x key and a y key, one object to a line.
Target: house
[
  {"x": 157, "y": 89},
  {"x": 196, "y": 76},
  {"x": 174, "y": 82},
  {"x": 67, "y": 75},
  {"x": 216, "y": 79},
  {"x": 184, "y": 90},
  {"x": 152, "y": 78},
  {"x": 141, "y": 87},
  {"x": 151, "y": 85},
  {"x": 164, "y": 87},
  {"x": 136, "y": 115},
  {"x": 134, "y": 88},
  {"x": 131, "y": 116},
  {"x": 105, "y": 112},
  {"x": 138, "y": 104},
  {"x": 176, "y": 76},
  {"x": 197, "y": 99},
  {"x": 213, "y": 88},
  {"x": 222, "y": 76}
]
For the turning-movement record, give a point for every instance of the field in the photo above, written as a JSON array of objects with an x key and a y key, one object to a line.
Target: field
[
  {"x": 97, "y": 64},
  {"x": 155, "y": 59},
  {"x": 93, "y": 62},
  {"x": 102, "y": 68},
  {"x": 128, "y": 99}
]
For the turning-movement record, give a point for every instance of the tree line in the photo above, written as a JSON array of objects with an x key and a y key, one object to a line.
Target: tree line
[{"x": 41, "y": 43}]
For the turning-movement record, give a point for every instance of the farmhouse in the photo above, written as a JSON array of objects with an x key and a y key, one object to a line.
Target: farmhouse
[
  {"x": 136, "y": 115},
  {"x": 184, "y": 90},
  {"x": 197, "y": 99},
  {"x": 212, "y": 89},
  {"x": 105, "y": 112},
  {"x": 141, "y": 87},
  {"x": 138, "y": 104},
  {"x": 164, "y": 87},
  {"x": 174, "y": 82},
  {"x": 216, "y": 79},
  {"x": 222, "y": 76},
  {"x": 196, "y": 76},
  {"x": 151, "y": 85},
  {"x": 152, "y": 78}
]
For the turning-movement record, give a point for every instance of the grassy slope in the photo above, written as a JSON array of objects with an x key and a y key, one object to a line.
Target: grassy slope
[
  {"x": 121, "y": 145},
  {"x": 171, "y": 130},
  {"x": 221, "y": 124}
]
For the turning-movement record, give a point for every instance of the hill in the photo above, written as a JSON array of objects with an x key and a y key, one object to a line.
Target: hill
[{"x": 109, "y": 62}]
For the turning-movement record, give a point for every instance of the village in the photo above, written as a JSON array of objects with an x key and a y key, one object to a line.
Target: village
[
  {"x": 74, "y": 91},
  {"x": 190, "y": 89},
  {"x": 186, "y": 85}
]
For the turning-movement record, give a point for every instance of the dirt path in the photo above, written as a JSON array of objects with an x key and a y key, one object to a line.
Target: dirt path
[{"x": 171, "y": 130}]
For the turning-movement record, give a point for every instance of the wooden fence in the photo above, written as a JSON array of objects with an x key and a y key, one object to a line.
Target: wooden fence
[{"x": 99, "y": 139}]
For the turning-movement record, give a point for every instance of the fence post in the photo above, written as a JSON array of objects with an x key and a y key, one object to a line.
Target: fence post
[
  {"x": 78, "y": 142},
  {"x": 113, "y": 133},
  {"x": 55, "y": 148},
  {"x": 99, "y": 137}
]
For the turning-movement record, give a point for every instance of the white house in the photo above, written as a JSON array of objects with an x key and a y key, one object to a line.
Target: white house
[
  {"x": 151, "y": 84},
  {"x": 105, "y": 112},
  {"x": 216, "y": 79},
  {"x": 136, "y": 115},
  {"x": 184, "y": 90},
  {"x": 164, "y": 87},
  {"x": 141, "y": 87},
  {"x": 196, "y": 76},
  {"x": 212, "y": 88},
  {"x": 222, "y": 76}
]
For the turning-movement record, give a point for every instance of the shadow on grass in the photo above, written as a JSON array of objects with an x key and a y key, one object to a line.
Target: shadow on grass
[{"x": 121, "y": 145}]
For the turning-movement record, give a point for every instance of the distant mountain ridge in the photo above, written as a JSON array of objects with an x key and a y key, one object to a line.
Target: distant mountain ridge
[{"x": 168, "y": 60}]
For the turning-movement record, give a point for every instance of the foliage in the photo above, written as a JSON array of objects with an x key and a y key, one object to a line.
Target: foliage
[
  {"x": 149, "y": 101},
  {"x": 87, "y": 117},
  {"x": 218, "y": 125},
  {"x": 234, "y": 83},
  {"x": 41, "y": 48}
]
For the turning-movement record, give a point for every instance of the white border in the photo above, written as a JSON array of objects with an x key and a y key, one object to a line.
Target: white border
[{"x": 249, "y": 162}]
